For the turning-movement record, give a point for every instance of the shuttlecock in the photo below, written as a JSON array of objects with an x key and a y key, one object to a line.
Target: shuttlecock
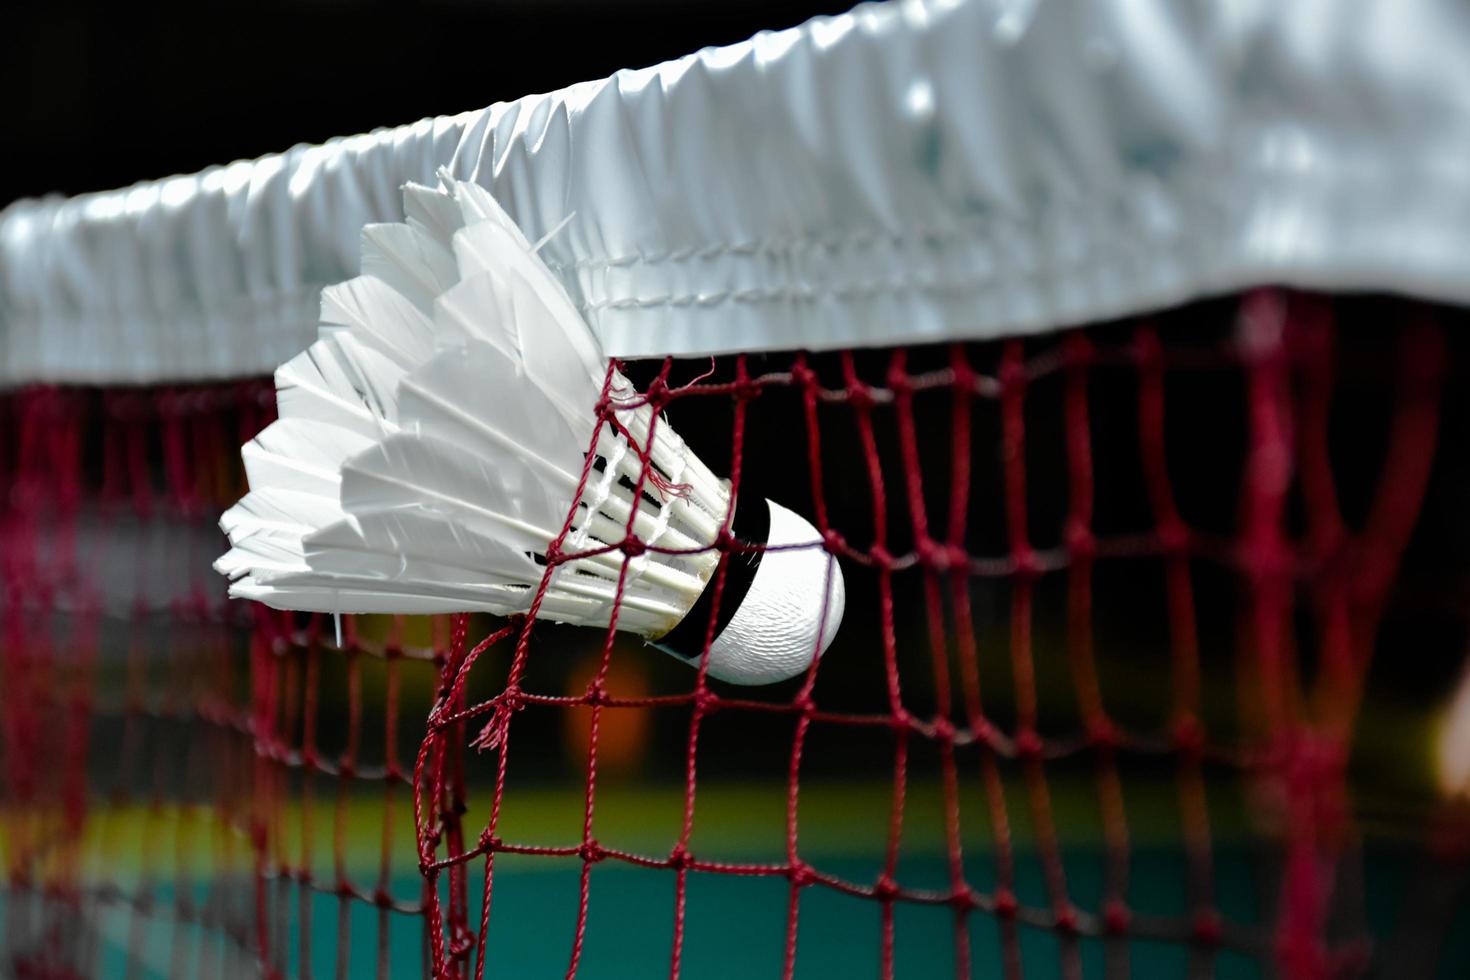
[{"x": 430, "y": 445}]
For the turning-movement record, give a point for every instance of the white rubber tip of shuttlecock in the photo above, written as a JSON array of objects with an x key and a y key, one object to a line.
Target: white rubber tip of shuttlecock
[{"x": 790, "y": 613}]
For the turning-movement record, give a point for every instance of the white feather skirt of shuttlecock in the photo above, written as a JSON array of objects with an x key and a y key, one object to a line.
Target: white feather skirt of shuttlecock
[{"x": 431, "y": 442}]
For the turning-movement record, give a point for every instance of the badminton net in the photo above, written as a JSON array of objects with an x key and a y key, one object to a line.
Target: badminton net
[{"x": 1134, "y": 615}]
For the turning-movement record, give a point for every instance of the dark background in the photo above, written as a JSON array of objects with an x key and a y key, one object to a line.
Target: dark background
[{"x": 98, "y": 96}]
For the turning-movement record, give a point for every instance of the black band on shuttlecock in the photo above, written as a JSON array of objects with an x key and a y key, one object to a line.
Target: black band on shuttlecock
[{"x": 752, "y": 525}]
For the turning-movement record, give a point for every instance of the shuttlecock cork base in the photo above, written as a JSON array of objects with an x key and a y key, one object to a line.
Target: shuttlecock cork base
[
  {"x": 434, "y": 441},
  {"x": 780, "y": 604}
]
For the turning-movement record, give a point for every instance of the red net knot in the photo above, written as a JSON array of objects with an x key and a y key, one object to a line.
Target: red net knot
[
  {"x": 746, "y": 390},
  {"x": 1104, "y": 733},
  {"x": 1189, "y": 736},
  {"x": 1206, "y": 929},
  {"x": 706, "y": 701},
  {"x": 1027, "y": 564},
  {"x": 1173, "y": 536},
  {"x": 860, "y": 396},
  {"x": 1005, "y": 904},
  {"x": 899, "y": 381},
  {"x": 932, "y": 555},
  {"x": 1080, "y": 540},
  {"x": 1116, "y": 918},
  {"x": 1028, "y": 745}
]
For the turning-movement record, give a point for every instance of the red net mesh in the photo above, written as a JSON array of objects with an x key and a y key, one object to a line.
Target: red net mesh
[{"x": 1133, "y": 615}]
